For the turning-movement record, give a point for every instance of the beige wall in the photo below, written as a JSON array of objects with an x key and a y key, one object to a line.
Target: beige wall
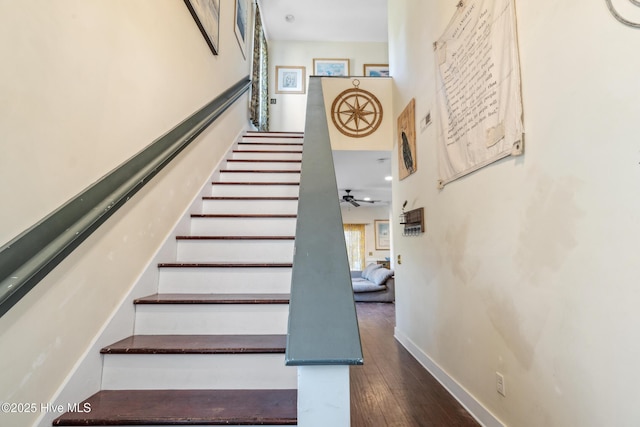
[
  {"x": 85, "y": 85},
  {"x": 88, "y": 84},
  {"x": 288, "y": 114},
  {"x": 530, "y": 266}
]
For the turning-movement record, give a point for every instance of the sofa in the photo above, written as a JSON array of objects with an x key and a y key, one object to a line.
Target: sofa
[{"x": 373, "y": 284}]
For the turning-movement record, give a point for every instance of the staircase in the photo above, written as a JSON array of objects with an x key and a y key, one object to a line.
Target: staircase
[{"x": 208, "y": 348}]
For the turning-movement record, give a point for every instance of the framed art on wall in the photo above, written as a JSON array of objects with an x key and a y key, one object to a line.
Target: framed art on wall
[
  {"x": 241, "y": 21},
  {"x": 330, "y": 67},
  {"x": 206, "y": 13},
  {"x": 383, "y": 237},
  {"x": 407, "y": 159},
  {"x": 290, "y": 79},
  {"x": 375, "y": 70}
]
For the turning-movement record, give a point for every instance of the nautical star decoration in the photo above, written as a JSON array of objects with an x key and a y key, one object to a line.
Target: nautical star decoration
[{"x": 356, "y": 112}]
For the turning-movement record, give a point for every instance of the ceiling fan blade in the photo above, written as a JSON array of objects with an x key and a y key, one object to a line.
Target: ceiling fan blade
[{"x": 353, "y": 202}]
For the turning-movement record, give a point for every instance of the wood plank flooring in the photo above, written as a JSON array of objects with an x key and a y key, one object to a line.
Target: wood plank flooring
[{"x": 392, "y": 388}]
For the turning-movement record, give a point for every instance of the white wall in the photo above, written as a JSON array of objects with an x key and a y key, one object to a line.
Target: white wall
[
  {"x": 530, "y": 266},
  {"x": 288, "y": 114},
  {"x": 85, "y": 86},
  {"x": 367, "y": 216}
]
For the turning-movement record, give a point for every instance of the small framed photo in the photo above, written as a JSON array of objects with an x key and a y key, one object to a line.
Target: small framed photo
[
  {"x": 241, "y": 21},
  {"x": 206, "y": 13},
  {"x": 330, "y": 67},
  {"x": 383, "y": 236},
  {"x": 375, "y": 70},
  {"x": 290, "y": 79}
]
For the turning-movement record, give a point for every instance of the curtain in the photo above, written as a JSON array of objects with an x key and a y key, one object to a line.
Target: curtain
[
  {"x": 259, "y": 78},
  {"x": 354, "y": 238}
]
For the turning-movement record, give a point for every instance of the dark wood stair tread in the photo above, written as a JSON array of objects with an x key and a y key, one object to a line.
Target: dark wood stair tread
[
  {"x": 223, "y": 265},
  {"x": 269, "y": 143},
  {"x": 259, "y": 171},
  {"x": 269, "y": 151},
  {"x": 198, "y": 344},
  {"x": 249, "y": 198},
  {"x": 272, "y": 134},
  {"x": 191, "y": 298},
  {"x": 244, "y": 216},
  {"x": 262, "y": 161},
  {"x": 254, "y": 183},
  {"x": 235, "y": 237},
  {"x": 186, "y": 407}
]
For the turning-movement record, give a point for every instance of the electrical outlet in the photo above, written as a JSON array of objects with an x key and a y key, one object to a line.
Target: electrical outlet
[{"x": 500, "y": 387}]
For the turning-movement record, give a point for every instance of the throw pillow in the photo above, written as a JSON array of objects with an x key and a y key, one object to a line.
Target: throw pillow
[
  {"x": 369, "y": 269},
  {"x": 380, "y": 276}
]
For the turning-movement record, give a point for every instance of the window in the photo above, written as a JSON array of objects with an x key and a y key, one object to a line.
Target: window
[{"x": 354, "y": 238}]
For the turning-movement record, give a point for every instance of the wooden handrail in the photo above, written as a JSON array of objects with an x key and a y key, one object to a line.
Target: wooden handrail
[
  {"x": 29, "y": 257},
  {"x": 323, "y": 326}
]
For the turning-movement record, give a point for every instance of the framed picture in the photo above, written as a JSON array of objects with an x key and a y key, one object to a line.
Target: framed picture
[
  {"x": 290, "y": 79},
  {"x": 241, "y": 22},
  {"x": 407, "y": 159},
  {"x": 375, "y": 70},
  {"x": 330, "y": 67},
  {"x": 383, "y": 236},
  {"x": 206, "y": 13}
]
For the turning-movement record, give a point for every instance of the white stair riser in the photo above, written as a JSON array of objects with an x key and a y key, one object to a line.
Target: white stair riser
[
  {"x": 249, "y": 251},
  {"x": 268, "y": 147},
  {"x": 243, "y": 226},
  {"x": 259, "y": 177},
  {"x": 250, "y": 207},
  {"x": 279, "y": 139},
  {"x": 225, "y": 280},
  {"x": 239, "y": 166},
  {"x": 197, "y": 371},
  {"x": 222, "y": 319},
  {"x": 255, "y": 190},
  {"x": 266, "y": 156}
]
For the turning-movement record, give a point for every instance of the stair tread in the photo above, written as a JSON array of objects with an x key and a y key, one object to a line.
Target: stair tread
[
  {"x": 225, "y": 265},
  {"x": 253, "y": 183},
  {"x": 187, "y": 407},
  {"x": 249, "y": 198},
  {"x": 235, "y": 238},
  {"x": 274, "y": 133},
  {"x": 262, "y": 161},
  {"x": 270, "y": 143},
  {"x": 192, "y": 298},
  {"x": 269, "y": 151},
  {"x": 198, "y": 344},
  {"x": 244, "y": 216},
  {"x": 259, "y": 171}
]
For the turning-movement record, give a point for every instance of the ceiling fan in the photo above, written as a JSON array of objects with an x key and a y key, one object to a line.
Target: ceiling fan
[{"x": 351, "y": 199}]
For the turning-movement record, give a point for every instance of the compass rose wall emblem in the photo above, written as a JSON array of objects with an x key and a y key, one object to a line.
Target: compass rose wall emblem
[{"x": 356, "y": 112}]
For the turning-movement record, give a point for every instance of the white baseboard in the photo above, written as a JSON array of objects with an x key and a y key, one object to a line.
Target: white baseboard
[{"x": 466, "y": 399}]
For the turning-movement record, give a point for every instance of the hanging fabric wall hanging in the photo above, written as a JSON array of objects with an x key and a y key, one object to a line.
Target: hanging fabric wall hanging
[{"x": 478, "y": 88}]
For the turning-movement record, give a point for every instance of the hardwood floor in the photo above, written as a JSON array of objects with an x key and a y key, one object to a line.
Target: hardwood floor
[{"x": 392, "y": 388}]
